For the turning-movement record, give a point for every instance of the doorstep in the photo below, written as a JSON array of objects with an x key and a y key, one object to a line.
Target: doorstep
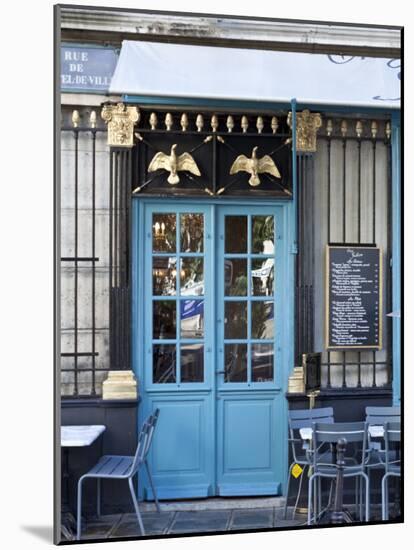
[{"x": 215, "y": 503}]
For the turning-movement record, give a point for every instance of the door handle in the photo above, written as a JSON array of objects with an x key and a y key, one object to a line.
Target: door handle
[{"x": 221, "y": 372}]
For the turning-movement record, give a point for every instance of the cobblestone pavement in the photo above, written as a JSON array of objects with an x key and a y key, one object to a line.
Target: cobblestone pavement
[
  {"x": 200, "y": 521},
  {"x": 195, "y": 521}
]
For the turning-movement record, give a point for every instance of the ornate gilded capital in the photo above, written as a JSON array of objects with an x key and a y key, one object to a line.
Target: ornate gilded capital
[
  {"x": 121, "y": 120},
  {"x": 307, "y": 124}
]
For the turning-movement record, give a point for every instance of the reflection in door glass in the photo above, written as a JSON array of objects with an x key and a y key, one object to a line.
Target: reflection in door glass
[
  {"x": 235, "y": 277},
  {"x": 262, "y": 273},
  {"x": 164, "y": 364},
  {"x": 164, "y": 276},
  {"x": 192, "y": 277},
  {"x": 236, "y": 235},
  {"x": 235, "y": 363},
  {"x": 192, "y": 363},
  {"x": 192, "y": 232},
  {"x": 235, "y": 320},
  {"x": 262, "y": 362},
  {"x": 262, "y": 320},
  {"x": 263, "y": 236},
  {"x": 164, "y": 320},
  {"x": 164, "y": 232},
  {"x": 192, "y": 318}
]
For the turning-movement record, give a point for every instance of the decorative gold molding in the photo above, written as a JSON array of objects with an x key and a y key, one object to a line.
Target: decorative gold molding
[
  {"x": 307, "y": 124},
  {"x": 121, "y": 120}
]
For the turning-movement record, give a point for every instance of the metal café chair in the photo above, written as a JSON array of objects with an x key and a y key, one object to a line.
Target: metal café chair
[
  {"x": 355, "y": 434},
  {"x": 122, "y": 467},
  {"x": 377, "y": 416},
  {"x": 392, "y": 438},
  {"x": 297, "y": 419}
]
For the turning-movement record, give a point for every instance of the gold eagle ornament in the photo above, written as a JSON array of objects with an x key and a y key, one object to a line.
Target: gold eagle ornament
[
  {"x": 254, "y": 166},
  {"x": 173, "y": 164}
]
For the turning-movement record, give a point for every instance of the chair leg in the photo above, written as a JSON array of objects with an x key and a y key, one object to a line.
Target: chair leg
[
  {"x": 298, "y": 495},
  {"x": 287, "y": 490},
  {"x": 310, "y": 484},
  {"x": 384, "y": 497},
  {"x": 157, "y": 504},
  {"x": 366, "y": 496},
  {"x": 319, "y": 496},
  {"x": 98, "y": 497},
  {"x": 79, "y": 510},
  {"x": 134, "y": 500}
]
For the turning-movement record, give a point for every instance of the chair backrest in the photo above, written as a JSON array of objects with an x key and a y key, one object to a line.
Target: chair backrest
[
  {"x": 139, "y": 456},
  {"x": 379, "y": 415},
  {"x": 352, "y": 432},
  {"x": 392, "y": 437},
  {"x": 303, "y": 418},
  {"x": 152, "y": 422}
]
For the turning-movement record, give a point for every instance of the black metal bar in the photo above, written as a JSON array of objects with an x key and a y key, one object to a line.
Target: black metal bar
[
  {"x": 86, "y": 369},
  {"x": 80, "y": 354},
  {"x": 83, "y": 129},
  {"x": 389, "y": 256},
  {"x": 116, "y": 211},
  {"x": 359, "y": 382},
  {"x": 214, "y": 161},
  {"x": 93, "y": 313},
  {"x": 328, "y": 199},
  {"x": 79, "y": 259},
  {"x": 374, "y": 197},
  {"x": 344, "y": 238},
  {"x": 337, "y": 364},
  {"x": 75, "y": 335},
  {"x": 111, "y": 187},
  {"x": 338, "y": 515}
]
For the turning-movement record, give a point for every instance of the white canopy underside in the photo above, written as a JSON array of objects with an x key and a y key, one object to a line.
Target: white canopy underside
[{"x": 207, "y": 72}]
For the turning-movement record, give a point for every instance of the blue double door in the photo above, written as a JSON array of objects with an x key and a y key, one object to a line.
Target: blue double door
[{"x": 211, "y": 343}]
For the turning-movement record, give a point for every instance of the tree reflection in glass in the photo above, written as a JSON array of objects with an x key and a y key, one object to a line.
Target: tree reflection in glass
[
  {"x": 236, "y": 235},
  {"x": 235, "y": 273},
  {"x": 235, "y": 363},
  {"x": 235, "y": 320},
  {"x": 191, "y": 232},
  {"x": 164, "y": 232},
  {"x": 262, "y": 320},
  {"x": 263, "y": 235}
]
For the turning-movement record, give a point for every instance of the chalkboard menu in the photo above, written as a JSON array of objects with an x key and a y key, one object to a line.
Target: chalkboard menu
[{"x": 353, "y": 297}]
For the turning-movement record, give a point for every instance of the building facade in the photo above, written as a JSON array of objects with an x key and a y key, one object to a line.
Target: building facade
[{"x": 218, "y": 178}]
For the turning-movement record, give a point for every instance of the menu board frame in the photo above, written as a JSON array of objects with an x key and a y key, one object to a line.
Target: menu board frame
[{"x": 353, "y": 246}]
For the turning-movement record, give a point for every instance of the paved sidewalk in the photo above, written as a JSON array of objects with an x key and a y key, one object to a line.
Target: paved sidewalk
[{"x": 200, "y": 521}]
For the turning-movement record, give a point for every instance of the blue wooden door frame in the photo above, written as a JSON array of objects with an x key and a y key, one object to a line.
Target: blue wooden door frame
[{"x": 195, "y": 402}]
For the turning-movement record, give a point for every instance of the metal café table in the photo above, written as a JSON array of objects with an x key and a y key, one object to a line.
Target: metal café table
[
  {"x": 74, "y": 436},
  {"x": 374, "y": 432}
]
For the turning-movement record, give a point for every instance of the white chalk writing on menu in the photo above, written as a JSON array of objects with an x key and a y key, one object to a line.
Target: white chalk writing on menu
[{"x": 354, "y": 297}]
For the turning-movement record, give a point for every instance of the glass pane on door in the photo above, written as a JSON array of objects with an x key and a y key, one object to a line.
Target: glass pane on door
[
  {"x": 178, "y": 330},
  {"x": 249, "y": 298}
]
